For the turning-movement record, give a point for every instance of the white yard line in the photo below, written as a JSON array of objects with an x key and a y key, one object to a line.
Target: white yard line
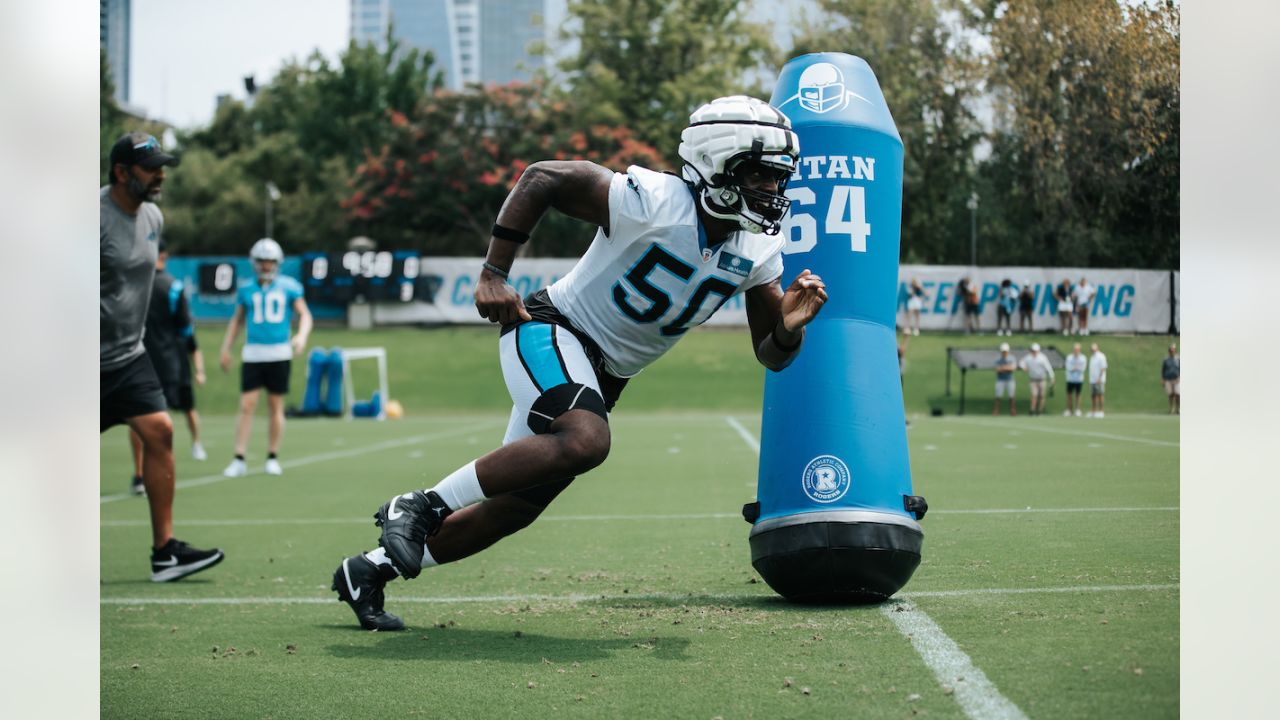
[
  {"x": 583, "y": 597},
  {"x": 1080, "y": 433},
  {"x": 746, "y": 436},
  {"x": 977, "y": 696},
  {"x": 321, "y": 457},
  {"x": 247, "y": 522}
]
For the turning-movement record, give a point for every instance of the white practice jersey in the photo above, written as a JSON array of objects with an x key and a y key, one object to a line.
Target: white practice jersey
[{"x": 639, "y": 288}]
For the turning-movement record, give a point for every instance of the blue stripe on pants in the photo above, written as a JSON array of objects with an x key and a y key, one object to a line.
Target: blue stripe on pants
[{"x": 535, "y": 345}]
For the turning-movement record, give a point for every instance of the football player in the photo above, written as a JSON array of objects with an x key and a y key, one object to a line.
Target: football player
[
  {"x": 669, "y": 252},
  {"x": 170, "y": 341},
  {"x": 267, "y": 305}
]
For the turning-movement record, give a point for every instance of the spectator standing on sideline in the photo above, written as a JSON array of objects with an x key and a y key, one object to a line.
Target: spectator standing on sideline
[
  {"x": 129, "y": 230},
  {"x": 170, "y": 341},
  {"x": 1097, "y": 381},
  {"x": 915, "y": 302},
  {"x": 568, "y": 349},
  {"x": 266, "y": 305},
  {"x": 1005, "y": 305},
  {"x": 1062, "y": 294},
  {"x": 1039, "y": 371},
  {"x": 1171, "y": 374},
  {"x": 1075, "y": 363},
  {"x": 1026, "y": 308},
  {"x": 969, "y": 297},
  {"x": 1082, "y": 296},
  {"x": 1005, "y": 383}
]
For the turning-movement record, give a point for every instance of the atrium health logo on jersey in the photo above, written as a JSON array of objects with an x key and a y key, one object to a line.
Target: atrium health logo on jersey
[
  {"x": 826, "y": 479},
  {"x": 821, "y": 89}
]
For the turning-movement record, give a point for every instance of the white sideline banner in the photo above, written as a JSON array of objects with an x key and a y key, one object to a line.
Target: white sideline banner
[{"x": 1126, "y": 301}]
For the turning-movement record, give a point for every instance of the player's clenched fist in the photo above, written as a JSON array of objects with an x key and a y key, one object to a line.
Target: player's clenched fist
[{"x": 496, "y": 301}]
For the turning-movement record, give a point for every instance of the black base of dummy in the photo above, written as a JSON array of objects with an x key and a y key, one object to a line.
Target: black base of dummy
[{"x": 836, "y": 557}]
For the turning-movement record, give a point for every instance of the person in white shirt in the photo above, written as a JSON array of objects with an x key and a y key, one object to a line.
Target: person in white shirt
[
  {"x": 1097, "y": 380},
  {"x": 1039, "y": 371},
  {"x": 1082, "y": 296},
  {"x": 1075, "y": 364},
  {"x": 670, "y": 250}
]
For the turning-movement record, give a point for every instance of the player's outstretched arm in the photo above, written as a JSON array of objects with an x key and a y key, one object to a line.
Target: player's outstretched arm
[
  {"x": 578, "y": 189},
  {"x": 777, "y": 319}
]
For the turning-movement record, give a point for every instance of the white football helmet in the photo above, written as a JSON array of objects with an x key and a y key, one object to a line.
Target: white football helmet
[
  {"x": 266, "y": 249},
  {"x": 726, "y": 136}
]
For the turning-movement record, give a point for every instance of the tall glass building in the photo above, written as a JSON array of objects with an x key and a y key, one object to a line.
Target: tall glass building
[
  {"x": 474, "y": 41},
  {"x": 113, "y": 36}
]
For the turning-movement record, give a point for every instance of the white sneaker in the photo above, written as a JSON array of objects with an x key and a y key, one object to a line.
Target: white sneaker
[
  {"x": 237, "y": 468},
  {"x": 916, "y": 332},
  {"x": 273, "y": 467},
  {"x": 1078, "y": 413},
  {"x": 197, "y": 452},
  {"x": 1090, "y": 414},
  {"x": 1066, "y": 413},
  {"x": 1100, "y": 414}
]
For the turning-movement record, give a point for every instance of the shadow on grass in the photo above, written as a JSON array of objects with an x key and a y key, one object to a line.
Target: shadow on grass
[
  {"x": 763, "y": 602},
  {"x": 454, "y": 644}
]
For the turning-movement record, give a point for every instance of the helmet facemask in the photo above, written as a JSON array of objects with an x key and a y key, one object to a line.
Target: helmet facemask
[{"x": 266, "y": 270}]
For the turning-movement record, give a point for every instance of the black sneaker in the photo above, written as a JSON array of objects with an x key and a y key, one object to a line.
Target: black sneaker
[
  {"x": 177, "y": 560},
  {"x": 136, "y": 486},
  {"x": 359, "y": 584},
  {"x": 407, "y": 521}
]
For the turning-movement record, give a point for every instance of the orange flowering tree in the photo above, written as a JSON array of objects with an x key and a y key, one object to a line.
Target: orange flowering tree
[{"x": 437, "y": 185}]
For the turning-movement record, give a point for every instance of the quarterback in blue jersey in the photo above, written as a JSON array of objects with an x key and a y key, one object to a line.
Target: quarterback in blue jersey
[
  {"x": 266, "y": 306},
  {"x": 670, "y": 250}
]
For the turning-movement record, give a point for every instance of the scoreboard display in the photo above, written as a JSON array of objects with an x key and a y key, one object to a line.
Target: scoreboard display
[{"x": 372, "y": 276}]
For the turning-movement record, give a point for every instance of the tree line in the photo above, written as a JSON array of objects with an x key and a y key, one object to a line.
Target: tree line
[{"x": 1062, "y": 118}]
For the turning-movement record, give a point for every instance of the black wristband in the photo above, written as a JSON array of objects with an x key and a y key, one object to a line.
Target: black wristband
[
  {"x": 784, "y": 348},
  {"x": 506, "y": 233},
  {"x": 496, "y": 270}
]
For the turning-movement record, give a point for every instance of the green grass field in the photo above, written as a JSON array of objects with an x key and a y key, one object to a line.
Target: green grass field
[{"x": 1050, "y": 562}]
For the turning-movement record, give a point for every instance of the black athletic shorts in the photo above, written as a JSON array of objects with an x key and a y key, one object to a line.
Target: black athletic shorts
[
  {"x": 274, "y": 376},
  {"x": 1074, "y": 387},
  {"x": 180, "y": 397},
  {"x": 129, "y": 391}
]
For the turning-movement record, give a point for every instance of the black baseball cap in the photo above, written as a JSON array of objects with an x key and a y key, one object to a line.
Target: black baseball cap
[{"x": 139, "y": 148}]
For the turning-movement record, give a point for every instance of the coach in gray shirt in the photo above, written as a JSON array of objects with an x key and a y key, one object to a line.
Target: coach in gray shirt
[{"x": 129, "y": 231}]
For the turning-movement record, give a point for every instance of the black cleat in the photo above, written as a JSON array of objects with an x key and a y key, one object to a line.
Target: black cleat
[
  {"x": 359, "y": 584},
  {"x": 407, "y": 521},
  {"x": 136, "y": 486},
  {"x": 177, "y": 560}
]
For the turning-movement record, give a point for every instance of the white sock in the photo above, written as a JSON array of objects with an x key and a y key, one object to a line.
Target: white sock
[
  {"x": 461, "y": 488},
  {"x": 427, "y": 560}
]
